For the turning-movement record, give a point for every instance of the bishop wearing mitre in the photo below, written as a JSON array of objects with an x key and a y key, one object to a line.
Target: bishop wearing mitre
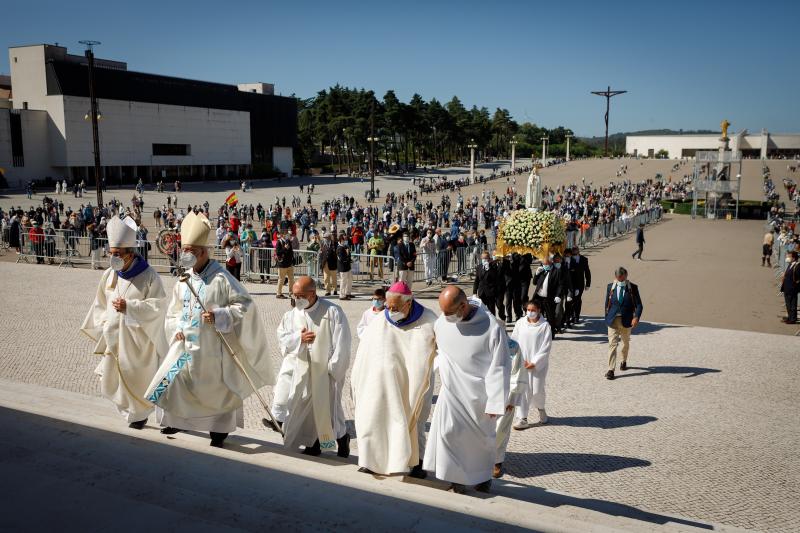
[
  {"x": 126, "y": 324},
  {"x": 199, "y": 387}
]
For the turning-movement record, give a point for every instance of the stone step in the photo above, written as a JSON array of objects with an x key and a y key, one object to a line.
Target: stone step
[{"x": 77, "y": 455}]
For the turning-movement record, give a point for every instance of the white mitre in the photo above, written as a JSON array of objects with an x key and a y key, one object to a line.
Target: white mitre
[
  {"x": 195, "y": 230},
  {"x": 121, "y": 232}
]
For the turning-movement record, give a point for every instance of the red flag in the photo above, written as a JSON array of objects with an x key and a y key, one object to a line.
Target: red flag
[{"x": 232, "y": 200}]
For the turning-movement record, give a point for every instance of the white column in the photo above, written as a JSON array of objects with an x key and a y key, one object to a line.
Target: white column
[
  {"x": 568, "y": 136},
  {"x": 543, "y": 153},
  {"x": 513, "y": 156},
  {"x": 472, "y": 165}
]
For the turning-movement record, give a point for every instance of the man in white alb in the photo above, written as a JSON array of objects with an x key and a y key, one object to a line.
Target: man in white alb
[{"x": 474, "y": 367}]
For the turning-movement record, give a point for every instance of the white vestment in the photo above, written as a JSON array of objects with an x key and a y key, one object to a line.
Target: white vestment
[
  {"x": 474, "y": 368},
  {"x": 519, "y": 383},
  {"x": 131, "y": 343},
  {"x": 366, "y": 318},
  {"x": 207, "y": 393},
  {"x": 319, "y": 367},
  {"x": 392, "y": 389},
  {"x": 534, "y": 341}
]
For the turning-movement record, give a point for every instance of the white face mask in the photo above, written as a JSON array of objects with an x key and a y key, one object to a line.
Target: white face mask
[
  {"x": 557, "y": 265},
  {"x": 188, "y": 259},
  {"x": 454, "y": 318},
  {"x": 397, "y": 316},
  {"x": 116, "y": 262},
  {"x": 533, "y": 315},
  {"x": 301, "y": 303},
  {"x": 485, "y": 262}
]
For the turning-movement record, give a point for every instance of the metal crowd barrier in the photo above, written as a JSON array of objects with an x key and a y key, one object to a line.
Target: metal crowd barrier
[{"x": 71, "y": 247}]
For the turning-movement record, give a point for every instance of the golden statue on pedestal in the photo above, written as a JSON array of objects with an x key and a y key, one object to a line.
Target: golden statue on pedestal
[{"x": 724, "y": 125}]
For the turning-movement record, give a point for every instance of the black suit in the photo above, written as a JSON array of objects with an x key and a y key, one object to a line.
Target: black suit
[
  {"x": 500, "y": 288},
  {"x": 485, "y": 284},
  {"x": 407, "y": 254},
  {"x": 581, "y": 278},
  {"x": 558, "y": 286},
  {"x": 790, "y": 286},
  {"x": 513, "y": 300},
  {"x": 525, "y": 277}
]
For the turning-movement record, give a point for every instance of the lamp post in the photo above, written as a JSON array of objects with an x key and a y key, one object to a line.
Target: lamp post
[
  {"x": 544, "y": 150},
  {"x": 94, "y": 114},
  {"x": 435, "y": 155},
  {"x": 568, "y": 138},
  {"x": 472, "y": 147},
  {"x": 513, "y": 143},
  {"x": 372, "y": 140}
]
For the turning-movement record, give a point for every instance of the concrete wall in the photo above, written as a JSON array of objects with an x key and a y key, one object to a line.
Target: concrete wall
[
  {"x": 283, "y": 159},
  {"x": 129, "y": 129},
  {"x": 34, "y": 148},
  {"x": 28, "y": 74}
]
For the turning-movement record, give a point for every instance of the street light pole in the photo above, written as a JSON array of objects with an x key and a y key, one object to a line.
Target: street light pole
[
  {"x": 513, "y": 143},
  {"x": 372, "y": 140},
  {"x": 472, "y": 147},
  {"x": 93, "y": 112},
  {"x": 544, "y": 150},
  {"x": 568, "y": 138}
]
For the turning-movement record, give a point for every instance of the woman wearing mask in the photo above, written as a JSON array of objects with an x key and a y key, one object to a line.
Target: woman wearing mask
[
  {"x": 377, "y": 307},
  {"x": 532, "y": 333},
  {"x": 233, "y": 258},
  {"x": 344, "y": 268}
]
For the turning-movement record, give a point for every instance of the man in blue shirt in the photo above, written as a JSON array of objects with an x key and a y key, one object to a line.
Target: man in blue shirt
[{"x": 623, "y": 310}]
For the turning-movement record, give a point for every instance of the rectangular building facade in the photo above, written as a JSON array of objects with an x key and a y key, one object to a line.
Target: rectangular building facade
[{"x": 151, "y": 126}]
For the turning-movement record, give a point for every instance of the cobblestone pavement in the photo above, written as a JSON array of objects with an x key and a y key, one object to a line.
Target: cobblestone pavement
[{"x": 693, "y": 428}]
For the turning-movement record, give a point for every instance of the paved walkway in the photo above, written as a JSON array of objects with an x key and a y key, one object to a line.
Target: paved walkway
[
  {"x": 693, "y": 429},
  {"x": 73, "y": 453}
]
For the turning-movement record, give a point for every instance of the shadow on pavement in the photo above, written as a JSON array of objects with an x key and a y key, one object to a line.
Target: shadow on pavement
[
  {"x": 94, "y": 479},
  {"x": 525, "y": 465},
  {"x": 602, "y": 422},
  {"x": 690, "y": 371}
]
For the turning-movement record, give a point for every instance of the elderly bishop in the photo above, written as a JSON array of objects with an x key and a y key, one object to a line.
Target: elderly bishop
[
  {"x": 199, "y": 386},
  {"x": 126, "y": 323},
  {"x": 393, "y": 385}
]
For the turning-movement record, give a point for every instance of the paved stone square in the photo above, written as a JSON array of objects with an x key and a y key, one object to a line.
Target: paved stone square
[{"x": 703, "y": 425}]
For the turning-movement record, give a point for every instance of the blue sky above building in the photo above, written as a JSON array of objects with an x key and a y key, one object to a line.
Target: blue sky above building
[{"x": 686, "y": 65}]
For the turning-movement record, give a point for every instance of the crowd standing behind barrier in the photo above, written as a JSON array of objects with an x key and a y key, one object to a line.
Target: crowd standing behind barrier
[{"x": 74, "y": 248}]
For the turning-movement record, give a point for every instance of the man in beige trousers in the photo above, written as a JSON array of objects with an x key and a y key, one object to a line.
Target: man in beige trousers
[{"x": 623, "y": 311}]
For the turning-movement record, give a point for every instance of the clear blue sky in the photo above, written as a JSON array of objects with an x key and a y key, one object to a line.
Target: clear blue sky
[{"x": 686, "y": 64}]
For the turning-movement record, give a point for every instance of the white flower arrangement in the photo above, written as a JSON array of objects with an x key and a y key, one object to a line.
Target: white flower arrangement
[{"x": 532, "y": 229}]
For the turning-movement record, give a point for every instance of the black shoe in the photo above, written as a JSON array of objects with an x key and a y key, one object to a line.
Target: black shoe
[
  {"x": 484, "y": 487},
  {"x": 623, "y": 366},
  {"x": 365, "y": 470},
  {"x": 327, "y": 294},
  {"x": 217, "y": 439},
  {"x": 610, "y": 374},
  {"x": 457, "y": 488},
  {"x": 139, "y": 424},
  {"x": 169, "y": 431},
  {"x": 314, "y": 450},
  {"x": 418, "y": 472},
  {"x": 343, "y": 446}
]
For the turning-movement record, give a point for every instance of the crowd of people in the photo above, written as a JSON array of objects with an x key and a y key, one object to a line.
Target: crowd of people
[
  {"x": 161, "y": 355},
  {"x": 782, "y": 237}
]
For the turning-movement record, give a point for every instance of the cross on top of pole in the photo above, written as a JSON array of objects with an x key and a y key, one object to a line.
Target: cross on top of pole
[{"x": 608, "y": 93}]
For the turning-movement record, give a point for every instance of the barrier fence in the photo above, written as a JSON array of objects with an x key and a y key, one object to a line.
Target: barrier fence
[{"x": 73, "y": 248}]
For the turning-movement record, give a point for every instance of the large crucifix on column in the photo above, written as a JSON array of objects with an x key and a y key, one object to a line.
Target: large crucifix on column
[{"x": 608, "y": 94}]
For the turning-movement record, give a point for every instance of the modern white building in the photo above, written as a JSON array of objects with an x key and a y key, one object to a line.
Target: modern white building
[
  {"x": 763, "y": 145},
  {"x": 152, "y": 127}
]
